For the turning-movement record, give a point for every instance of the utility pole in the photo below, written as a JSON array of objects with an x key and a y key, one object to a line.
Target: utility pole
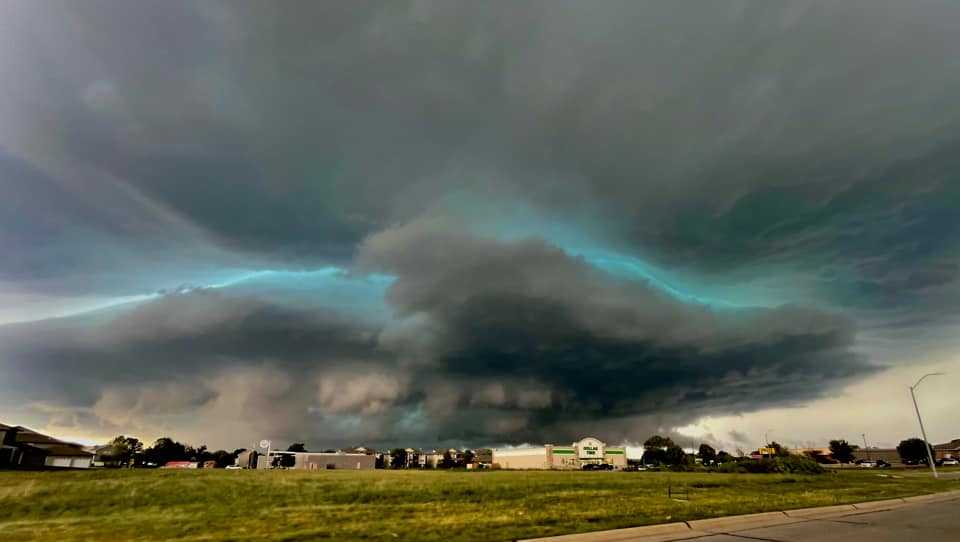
[
  {"x": 866, "y": 449},
  {"x": 926, "y": 444}
]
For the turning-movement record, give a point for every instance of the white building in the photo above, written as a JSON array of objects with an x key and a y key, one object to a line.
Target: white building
[{"x": 579, "y": 454}]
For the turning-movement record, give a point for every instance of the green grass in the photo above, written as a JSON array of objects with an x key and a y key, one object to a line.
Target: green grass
[{"x": 221, "y": 505}]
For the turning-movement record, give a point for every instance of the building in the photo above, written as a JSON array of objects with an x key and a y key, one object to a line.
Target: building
[
  {"x": 483, "y": 457},
  {"x": 246, "y": 459},
  {"x": 180, "y": 465},
  {"x": 8, "y": 448},
  {"x": 320, "y": 460},
  {"x": 949, "y": 450},
  {"x": 25, "y": 448},
  {"x": 576, "y": 456},
  {"x": 429, "y": 459},
  {"x": 890, "y": 455}
]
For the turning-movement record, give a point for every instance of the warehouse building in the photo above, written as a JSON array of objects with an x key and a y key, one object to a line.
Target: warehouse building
[
  {"x": 588, "y": 451},
  {"x": 319, "y": 460}
]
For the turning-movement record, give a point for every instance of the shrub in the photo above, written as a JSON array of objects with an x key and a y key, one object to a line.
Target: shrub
[
  {"x": 730, "y": 467},
  {"x": 792, "y": 464},
  {"x": 797, "y": 464}
]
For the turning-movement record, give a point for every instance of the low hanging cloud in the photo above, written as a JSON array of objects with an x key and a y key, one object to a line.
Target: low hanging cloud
[
  {"x": 599, "y": 346},
  {"x": 490, "y": 341}
]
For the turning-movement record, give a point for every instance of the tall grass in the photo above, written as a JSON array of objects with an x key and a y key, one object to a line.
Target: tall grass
[{"x": 217, "y": 505}]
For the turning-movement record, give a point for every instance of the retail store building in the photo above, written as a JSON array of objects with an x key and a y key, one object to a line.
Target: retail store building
[{"x": 588, "y": 451}]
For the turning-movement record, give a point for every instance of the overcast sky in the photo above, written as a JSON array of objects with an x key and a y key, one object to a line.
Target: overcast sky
[{"x": 474, "y": 223}]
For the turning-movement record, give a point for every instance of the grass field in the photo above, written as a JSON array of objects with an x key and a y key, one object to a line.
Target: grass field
[{"x": 220, "y": 505}]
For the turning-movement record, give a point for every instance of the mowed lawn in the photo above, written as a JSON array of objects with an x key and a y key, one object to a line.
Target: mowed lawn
[{"x": 402, "y": 505}]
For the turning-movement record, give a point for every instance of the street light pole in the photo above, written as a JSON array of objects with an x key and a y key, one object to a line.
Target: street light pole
[{"x": 923, "y": 431}]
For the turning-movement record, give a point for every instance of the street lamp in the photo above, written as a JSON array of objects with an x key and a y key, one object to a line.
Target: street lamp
[{"x": 923, "y": 432}]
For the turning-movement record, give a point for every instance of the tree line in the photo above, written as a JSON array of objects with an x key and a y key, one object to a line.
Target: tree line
[
  {"x": 129, "y": 452},
  {"x": 659, "y": 450}
]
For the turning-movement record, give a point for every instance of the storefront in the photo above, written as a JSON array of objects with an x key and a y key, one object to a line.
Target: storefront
[{"x": 587, "y": 451}]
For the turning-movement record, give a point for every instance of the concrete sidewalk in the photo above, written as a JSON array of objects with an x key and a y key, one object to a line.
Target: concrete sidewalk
[{"x": 930, "y": 518}]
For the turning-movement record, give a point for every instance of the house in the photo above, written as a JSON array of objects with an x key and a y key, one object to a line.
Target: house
[
  {"x": 359, "y": 450},
  {"x": 26, "y": 448},
  {"x": 483, "y": 457},
  {"x": 429, "y": 459},
  {"x": 8, "y": 448},
  {"x": 104, "y": 456}
]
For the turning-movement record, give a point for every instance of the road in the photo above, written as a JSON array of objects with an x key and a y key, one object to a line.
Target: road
[
  {"x": 935, "y": 522},
  {"x": 925, "y": 518}
]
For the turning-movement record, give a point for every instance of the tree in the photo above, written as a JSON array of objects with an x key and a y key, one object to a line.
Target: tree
[
  {"x": 200, "y": 453},
  {"x": 912, "y": 451},
  {"x": 842, "y": 451},
  {"x": 655, "y": 450},
  {"x": 707, "y": 454},
  {"x": 779, "y": 449},
  {"x": 656, "y": 441},
  {"x": 297, "y": 447},
  {"x": 124, "y": 448},
  {"x": 398, "y": 458},
  {"x": 164, "y": 450},
  {"x": 224, "y": 458},
  {"x": 675, "y": 456},
  {"x": 447, "y": 461},
  {"x": 724, "y": 457},
  {"x": 468, "y": 457}
]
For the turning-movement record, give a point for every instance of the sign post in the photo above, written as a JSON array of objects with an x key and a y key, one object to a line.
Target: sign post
[{"x": 266, "y": 444}]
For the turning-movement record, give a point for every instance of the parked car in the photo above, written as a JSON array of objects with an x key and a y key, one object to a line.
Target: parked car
[
  {"x": 951, "y": 461},
  {"x": 233, "y": 467}
]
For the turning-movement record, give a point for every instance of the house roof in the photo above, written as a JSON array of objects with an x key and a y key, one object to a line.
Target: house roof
[{"x": 29, "y": 436}]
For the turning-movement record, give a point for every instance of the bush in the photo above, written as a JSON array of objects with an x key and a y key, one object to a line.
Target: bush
[
  {"x": 761, "y": 466},
  {"x": 730, "y": 467},
  {"x": 792, "y": 464},
  {"x": 800, "y": 465}
]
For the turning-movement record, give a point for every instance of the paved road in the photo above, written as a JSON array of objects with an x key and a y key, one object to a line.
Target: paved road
[{"x": 935, "y": 522}]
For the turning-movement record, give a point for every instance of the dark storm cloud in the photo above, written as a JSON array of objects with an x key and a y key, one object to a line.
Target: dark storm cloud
[
  {"x": 492, "y": 342},
  {"x": 713, "y": 137},
  {"x": 598, "y": 347},
  {"x": 804, "y": 147},
  {"x": 174, "y": 336}
]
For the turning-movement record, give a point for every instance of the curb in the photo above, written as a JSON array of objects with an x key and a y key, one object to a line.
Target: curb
[
  {"x": 822, "y": 512},
  {"x": 705, "y": 527},
  {"x": 648, "y": 533},
  {"x": 739, "y": 523}
]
